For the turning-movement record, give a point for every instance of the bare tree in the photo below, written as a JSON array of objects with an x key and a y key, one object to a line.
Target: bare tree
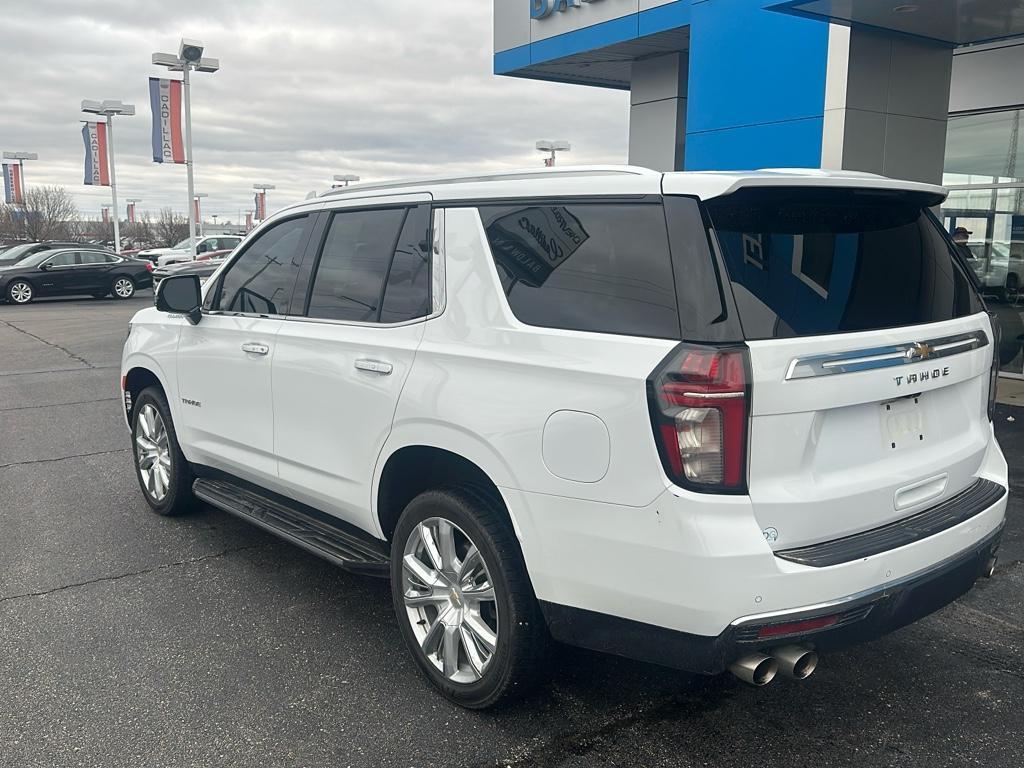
[
  {"x": 49, "y": 214},
  {"x": 138, "y": 233},
  {"x": 170, "y": 229}
]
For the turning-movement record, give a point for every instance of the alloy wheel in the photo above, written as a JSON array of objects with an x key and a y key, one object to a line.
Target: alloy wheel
[
  {"x": 21, "y": 293},
  {"x": 124, "y": 287},
  {"x": 449, "y": 600},
  {"x": 153, "y": 452}
]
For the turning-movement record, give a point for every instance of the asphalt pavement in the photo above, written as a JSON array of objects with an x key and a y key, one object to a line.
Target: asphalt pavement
[{"x": 127, "y": 639}]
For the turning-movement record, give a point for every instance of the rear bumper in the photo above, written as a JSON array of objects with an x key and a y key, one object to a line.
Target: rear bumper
[{"x": 859, "y": 618}]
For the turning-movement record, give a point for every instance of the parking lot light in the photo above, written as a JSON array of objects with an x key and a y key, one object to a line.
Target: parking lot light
[
  {"x": 108, "y": 108},
  {"x": 189, "y": 57},
  {"x": 553, "y": 147},
  {"x": 345, "y": 179}
]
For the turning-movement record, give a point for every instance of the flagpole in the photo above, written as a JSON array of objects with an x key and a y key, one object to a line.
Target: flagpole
[
  {"x": 188, "y": 159},
  {"x": 113, "y": 184}
]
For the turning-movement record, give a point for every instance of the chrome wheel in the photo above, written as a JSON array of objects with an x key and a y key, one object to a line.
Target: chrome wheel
[
  {"x": 449, "y": 600},
  {"x": 124, "y": 287},
  {"x": 154, "y": 454},
  {"x": 21, "y": 293}
]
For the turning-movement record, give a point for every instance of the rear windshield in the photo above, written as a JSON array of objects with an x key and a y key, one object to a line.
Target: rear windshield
[{"x": 811, "y": 262}]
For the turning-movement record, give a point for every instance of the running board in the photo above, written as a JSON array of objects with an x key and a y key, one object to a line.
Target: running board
[{"x": 346, "y": 547}]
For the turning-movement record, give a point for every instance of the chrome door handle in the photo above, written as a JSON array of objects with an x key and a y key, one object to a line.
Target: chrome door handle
[
  {"x": 255, "y": 349},
  {"x": 375, "y": 366}
]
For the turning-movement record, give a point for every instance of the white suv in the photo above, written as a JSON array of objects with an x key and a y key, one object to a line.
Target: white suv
[{"x": 716, "y": 421}]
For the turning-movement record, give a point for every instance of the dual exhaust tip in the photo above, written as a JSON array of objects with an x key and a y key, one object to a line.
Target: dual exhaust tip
[{"x": 793, "y": 661}]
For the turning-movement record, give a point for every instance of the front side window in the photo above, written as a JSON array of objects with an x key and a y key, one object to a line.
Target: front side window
[
  {"x": 262, "y": 279},
  {"x": 601, "y": 267},
  {"x": 354, "y": 264},
  {"x": 65, "y": 259}
]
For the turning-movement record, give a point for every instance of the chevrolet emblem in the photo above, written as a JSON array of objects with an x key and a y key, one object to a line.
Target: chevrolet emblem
[{"x": 920, "y": 352}]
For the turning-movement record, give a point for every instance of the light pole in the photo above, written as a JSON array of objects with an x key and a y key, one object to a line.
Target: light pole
[
  {"x": 108, "y": 109},
  {"x": 262, "y": 214},
  {"x": 199, "y": 210},
  {"x": 21, "y": 157},
  {"x": 189, "y": 57},
  {"x": 345, "y": 179},
  {"x": 553, "y": 147}
]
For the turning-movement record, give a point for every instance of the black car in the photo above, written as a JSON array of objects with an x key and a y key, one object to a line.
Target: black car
[
  {"x": 79, "y": 270},
  {"x": 202, "y": 269},
  {"x": 14, "y": 253}
]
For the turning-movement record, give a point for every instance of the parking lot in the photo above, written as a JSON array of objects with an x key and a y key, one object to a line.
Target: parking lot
[{"x": 127, "y": 639}]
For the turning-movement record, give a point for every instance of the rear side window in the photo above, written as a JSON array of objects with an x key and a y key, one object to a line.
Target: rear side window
[
  {"x": 262, "y": 279},
  {"x": 408, "y": 285},
  {"x": 814, "y": 262},
  {"x": 603, "y": 267},
  {"x": 354, "y": 264}
]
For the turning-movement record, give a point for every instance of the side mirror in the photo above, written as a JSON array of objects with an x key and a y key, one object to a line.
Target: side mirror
[
  {"x": 46, "y": 266},
  {"x": 181, "y": 295}
]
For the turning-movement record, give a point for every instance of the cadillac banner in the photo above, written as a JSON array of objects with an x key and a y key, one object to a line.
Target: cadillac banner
[
  {"x": 97, "y": 169},
  {"x": 165, "y": 101}
]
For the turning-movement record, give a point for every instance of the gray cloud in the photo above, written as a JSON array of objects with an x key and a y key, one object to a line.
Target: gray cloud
[{"x": 307, "y": 89}]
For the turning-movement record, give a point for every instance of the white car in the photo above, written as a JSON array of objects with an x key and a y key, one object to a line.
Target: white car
[
  {"x": 716, "y": 421},
  {"x": 161, "y": 257}
]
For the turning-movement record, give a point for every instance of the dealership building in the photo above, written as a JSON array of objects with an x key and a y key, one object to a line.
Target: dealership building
[{"x": 929, "y": 90}]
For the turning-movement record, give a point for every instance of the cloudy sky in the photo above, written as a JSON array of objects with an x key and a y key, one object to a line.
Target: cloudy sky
[{"x": 307, "y": 89}]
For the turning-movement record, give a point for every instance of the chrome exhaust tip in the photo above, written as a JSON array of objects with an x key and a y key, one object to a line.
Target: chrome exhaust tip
[
  {"x": 795, "y": 661},
  {"x": 755, "y": 669},
  {"x": 990, "y": 567}
]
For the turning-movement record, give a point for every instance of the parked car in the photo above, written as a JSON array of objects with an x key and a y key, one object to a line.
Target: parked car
[
  {"x": 715, "y": 421},
  {"x": 64, "y": 271},
  {"x": 180, "y": 252},
  {"x": 200, "y": 268},
  {"x": 16, "y": 253}
]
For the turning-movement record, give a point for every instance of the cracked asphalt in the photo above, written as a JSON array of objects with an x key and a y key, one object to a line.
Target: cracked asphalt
[{"x": 127, "y": 639}]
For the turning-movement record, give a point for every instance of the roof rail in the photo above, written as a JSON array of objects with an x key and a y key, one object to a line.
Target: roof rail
[{"x": 513, "y": 175}]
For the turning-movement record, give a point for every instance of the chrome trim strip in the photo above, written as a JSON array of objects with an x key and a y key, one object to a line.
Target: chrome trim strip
[
  {"x": 713, "y": 395},
  {"x": 885, "y": 357},
  {"x": 880, "y": 591}
]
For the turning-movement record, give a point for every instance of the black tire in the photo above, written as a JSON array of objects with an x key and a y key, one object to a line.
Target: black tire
[
  {"x": 520, "y": 659},
  {"x": 122, "y": 287},
  {"x": 178, "y": 498},
  {"x": 16, "y": 292}
]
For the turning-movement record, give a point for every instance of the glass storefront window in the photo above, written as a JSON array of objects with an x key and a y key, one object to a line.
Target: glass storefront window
[
  {"x": 985, "y": 149},
  {"x": 985, "y": 153}
]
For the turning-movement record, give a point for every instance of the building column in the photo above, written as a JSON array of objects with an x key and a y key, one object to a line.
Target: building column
[
  {"x": 886, "y": 104},
  {"x": 657, "y": 112}
]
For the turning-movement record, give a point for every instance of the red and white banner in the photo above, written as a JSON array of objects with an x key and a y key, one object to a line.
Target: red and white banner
[
  {"x": 130, "y": 213},
  {"x": 199, "y": 212},
  {"x": 106, "y": 215},
  {"x": 13, "y": 192},
  {"x": 248, "y": 221},
  {"x": 165, "y": 101},
  {"x": 261, "y": 205},
  {"x": 97, "y": 166}
]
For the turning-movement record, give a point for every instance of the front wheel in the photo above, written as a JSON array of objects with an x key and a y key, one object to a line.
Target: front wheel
[
  {"x": 463, "y": 598},
  {"x": 123, "y": 288},
  {"x": 20, "y": 292},
  {"x": 164, "y": 474}
]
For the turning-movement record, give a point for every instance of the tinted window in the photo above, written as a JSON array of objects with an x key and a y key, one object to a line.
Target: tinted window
[
  {"x": 94, "y": 257},
  {"x": 602, "y": 267},
  {"x": 805, "y": 263},
  {"x": 354, "y": 263},
  {"x": 407, "y": 293},
  {"x": 65, "y": 259},
  {"x": 261, "y": 280}
]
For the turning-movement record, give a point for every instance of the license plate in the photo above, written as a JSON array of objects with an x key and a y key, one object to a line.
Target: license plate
[{"x": 902, "y": 423}]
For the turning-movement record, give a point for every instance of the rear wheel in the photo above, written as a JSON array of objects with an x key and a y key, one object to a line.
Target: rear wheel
[
  {"x": 164, "y": 474},
  {"x": 20, "y": 292},
  {"x": 464, "y": 601},
  {"x": 123, "y": 288}
]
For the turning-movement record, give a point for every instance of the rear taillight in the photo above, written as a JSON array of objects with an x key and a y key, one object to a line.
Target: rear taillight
[
  {"x": 993, "y": 376},
  {"x": 700, "y": 406},
  {"x": 149, "y": 266}
]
